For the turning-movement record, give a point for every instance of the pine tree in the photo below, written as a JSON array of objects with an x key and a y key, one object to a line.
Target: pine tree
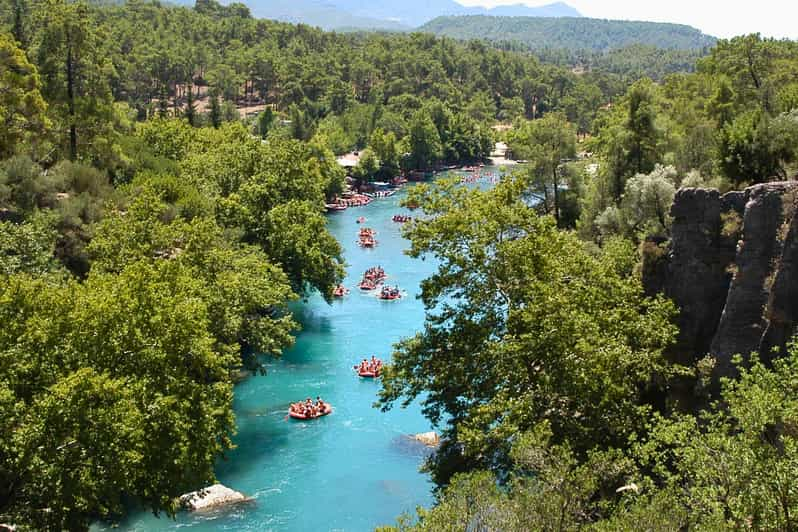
[
  {"x": 216, "y": 110},
  {"x": 191, "y": 110}
]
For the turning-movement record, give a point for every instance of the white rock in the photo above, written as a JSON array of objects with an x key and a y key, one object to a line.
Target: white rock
[
  {"x": 430, "y": 439},
  {"x": 211, "y": 497}
]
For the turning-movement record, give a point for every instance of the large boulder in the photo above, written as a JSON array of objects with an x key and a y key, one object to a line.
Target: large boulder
[
  {"x": 211, "y": 497},
  {"x": 430, "y": 439}
]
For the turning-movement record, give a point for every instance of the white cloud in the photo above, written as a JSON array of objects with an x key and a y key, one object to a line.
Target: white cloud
[{"x": 721, "y": 18}]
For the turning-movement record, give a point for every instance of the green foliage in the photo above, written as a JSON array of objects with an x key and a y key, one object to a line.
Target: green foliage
[
  {"x": 569, "y": 33},
  {"x": 22, "y": 108},
  {"x": 756, "y": 148},
  {"x": 367, "y": 167},
  {"x": 732, "y": 467},
  {"x": 424, "y": 142},
  {"x": 75, "y": 72},
  {"x": 251, "y": 184},
  {"x": 113, "y": 368},
  {"x": 545, "y": 143},
  {"x": 645, "y": 207},
  {"x": 27, "y": 247},
  {"x": 735, "y": 465},
  {"x": 523, "y": 327},
  {"x": 386, "y": 150}
]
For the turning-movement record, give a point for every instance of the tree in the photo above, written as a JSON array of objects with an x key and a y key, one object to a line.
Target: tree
[
  {"x": 523, "y": 326},
  {"x": 124, "y": 363},
  {"x": 22, "y": 108},
  {"x": 19, "y": 26},
  {"x": 191, "y": 108},
  {"x": 424, "y": 142},
  {"x": 72, "y": 64},
  {"x": 641, "y": 125},
  {"x": 546, "y": 143},
  {"x": 734, "y": 465},
  {"x": 756, "y": 148},
  {"x": 265, "y": 121},
  {"x": 384, "y": 145},
  {"x": 215, "y": 113},
  {"x": 367, "y": 167},
  {"x": 28, "y": 247},
  {"x": 549, "y": 489},
  {"x": 644, "y": 209}
]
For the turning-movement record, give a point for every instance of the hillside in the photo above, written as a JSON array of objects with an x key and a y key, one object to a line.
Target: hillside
[
  {"x": 414, "y": 13},
  {"x": 321, "y": 13},
  {"x": 570, "y": 33},
  {"x": 383, "y": 14}
]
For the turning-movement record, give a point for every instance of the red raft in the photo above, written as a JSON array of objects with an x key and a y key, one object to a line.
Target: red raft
[
  {"x": 340, "y": 291},
  {"x": 300, "y": 415},
  {"x": 369, "y": 370},
  {"x": 390, "y": 294},
  {"x": 368, "y": 285}
]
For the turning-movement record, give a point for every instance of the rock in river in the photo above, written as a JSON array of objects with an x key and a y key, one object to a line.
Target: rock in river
[
  {"x": 211, "y": 497},
  {"x": 430, "y": 439}
]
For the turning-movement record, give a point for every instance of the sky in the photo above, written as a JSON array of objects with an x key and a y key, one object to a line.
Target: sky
[{"x": 720, "y": 18}]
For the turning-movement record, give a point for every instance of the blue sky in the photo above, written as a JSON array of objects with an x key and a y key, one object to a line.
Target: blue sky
[{"x": 772, "y": 18}]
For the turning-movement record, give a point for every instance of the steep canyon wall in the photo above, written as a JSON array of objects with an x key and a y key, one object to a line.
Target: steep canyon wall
[{"x": 732, "y": 269}]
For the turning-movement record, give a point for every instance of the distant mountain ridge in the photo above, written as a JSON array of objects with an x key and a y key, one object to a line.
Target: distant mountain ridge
[
  {"x": 385, "y": 14},
  {"x": 570, "y": 33}
]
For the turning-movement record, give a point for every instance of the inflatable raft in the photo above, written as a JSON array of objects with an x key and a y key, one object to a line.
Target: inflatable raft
[{"x": 327, "y": 411}]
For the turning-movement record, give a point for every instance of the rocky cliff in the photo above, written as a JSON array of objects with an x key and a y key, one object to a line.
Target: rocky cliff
[{"x": 732, "y": 269}]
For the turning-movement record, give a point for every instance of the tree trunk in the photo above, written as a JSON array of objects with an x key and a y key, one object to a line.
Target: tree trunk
[
  {"x": 556, "y": 198},
  {"x": 73, "y": 131}
]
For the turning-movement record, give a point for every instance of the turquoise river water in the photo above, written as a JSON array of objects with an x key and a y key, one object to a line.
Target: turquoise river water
[{"x": 354, "y": 469}]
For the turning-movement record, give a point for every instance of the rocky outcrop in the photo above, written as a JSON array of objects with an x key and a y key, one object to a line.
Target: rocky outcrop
[
  {"x": 211, "y": 497},
  {"x": 430, "y": 439},
  {"x": 732, "y": 269}
]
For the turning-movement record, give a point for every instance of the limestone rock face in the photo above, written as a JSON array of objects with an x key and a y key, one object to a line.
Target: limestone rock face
[
  {"x": 698, "y": 275},
  {"x": 746, "y": 314},
  {"x": 211, "y": 497},
  {"x": 732, "y": 269}
]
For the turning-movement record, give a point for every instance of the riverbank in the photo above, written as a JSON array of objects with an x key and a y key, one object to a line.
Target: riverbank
[
  {"x": 356, "y": 468},
  {"x": 352, "y": 470}
]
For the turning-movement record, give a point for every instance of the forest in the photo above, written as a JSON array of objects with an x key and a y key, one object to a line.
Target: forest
[
  {"x": 163, "y": 175},
  {"x": 568, "y": 33}
]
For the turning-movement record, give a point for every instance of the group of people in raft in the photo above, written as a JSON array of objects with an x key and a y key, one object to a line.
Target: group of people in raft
[
  {"x": 367, "y": 237},
  {"x": 308, "y": 409},
  {"x": 372, "y": 278},
  {"x": 401, "y": 218},
  {"x": 390, "y": 293},
  {"x": 369, "y": 369}
]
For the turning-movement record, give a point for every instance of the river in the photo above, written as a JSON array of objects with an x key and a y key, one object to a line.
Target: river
[{"x": 354, "y": 469}]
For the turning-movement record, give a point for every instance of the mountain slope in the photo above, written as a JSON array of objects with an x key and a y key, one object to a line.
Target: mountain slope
[
  {"x": 394, "y": 15},
  {"x": 325, "y": 14},
  {"x": 416, "y": 12},
  {"x": 558, "y": 9},
  {"x": 570, "y": 33}
]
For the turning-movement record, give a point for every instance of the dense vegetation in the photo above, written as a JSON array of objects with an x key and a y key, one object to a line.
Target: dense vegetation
[
  {"x": 574, "y": 34},
  {"x": 163, "y": 173},
  {"x": 631, "y": 63},
  {"x": 559, "y": 416}
]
